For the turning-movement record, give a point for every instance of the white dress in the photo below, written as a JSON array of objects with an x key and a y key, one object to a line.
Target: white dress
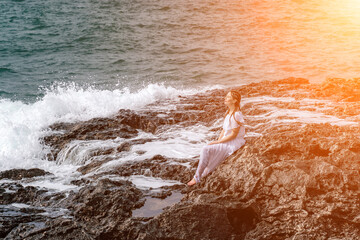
[{"x": 213, "y": 155}]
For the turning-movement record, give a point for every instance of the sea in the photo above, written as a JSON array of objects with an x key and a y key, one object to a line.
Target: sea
[{"x": 69, "y": 61}]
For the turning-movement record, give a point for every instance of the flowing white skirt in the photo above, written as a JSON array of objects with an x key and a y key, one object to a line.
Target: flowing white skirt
[{"x": 212, "y": 155}]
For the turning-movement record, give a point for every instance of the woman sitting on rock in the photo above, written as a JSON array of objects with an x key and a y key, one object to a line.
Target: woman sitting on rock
[{"x": 230, "y": 139}]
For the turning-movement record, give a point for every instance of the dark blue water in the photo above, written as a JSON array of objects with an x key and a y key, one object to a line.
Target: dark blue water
[
  {"x": 103, "y": 43},
  {"x": 83, "y": 41},
  {"x": 120, "y": 43}
]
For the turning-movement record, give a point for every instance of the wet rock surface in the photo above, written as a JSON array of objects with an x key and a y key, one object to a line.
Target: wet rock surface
[
  {"x": 17, "y": 174},
  {"x": 295, "y": 189},
  {"x": 12, "y": 219},
  {"x": 292, "y": 180},
  {"x": 158, "y": 166}
]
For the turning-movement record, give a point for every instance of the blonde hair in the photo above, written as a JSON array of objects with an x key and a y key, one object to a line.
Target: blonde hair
[{"x": 235, "y": 95}]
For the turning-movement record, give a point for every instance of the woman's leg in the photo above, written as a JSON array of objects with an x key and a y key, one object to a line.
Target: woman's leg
[
  {"x": 217, "y": 154},
  {"x": 203, "y": 162},
  {"x": 210, "y": 157}
]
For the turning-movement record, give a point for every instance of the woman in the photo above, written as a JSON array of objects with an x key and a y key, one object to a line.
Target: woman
[{"x": 230, "y": 139}]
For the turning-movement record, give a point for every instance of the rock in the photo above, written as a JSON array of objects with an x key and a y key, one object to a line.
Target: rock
[
  {"x": 17, "y": 174},
  {"x": 96, "y": 129},
  {"x": 162, "y": 194},
  {"x": 182, "y": 221},
  {"x": 340, "y": 89},
  {"x": 291, "y": 80},
  {"x": 292, "y": 180},
  {"x": 98, "y": 209},
  {"x": 55, "y": 229},
  {"x": 157, "y": 166},
  {"x": 19, "y": 194},
  {"x": 301, "y": 189},
  {"x": 11, "y": 219}
]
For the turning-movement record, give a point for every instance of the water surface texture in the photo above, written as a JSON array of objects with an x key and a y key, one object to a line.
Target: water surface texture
[{"x": 112, "y": 44}]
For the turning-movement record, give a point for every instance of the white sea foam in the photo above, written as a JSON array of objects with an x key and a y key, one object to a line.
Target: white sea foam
[
  {"x": 181, "y": 142},
  {"x": 294, "y": 115},
  {"x": 21, "y": 125},
  {"x": 145, "y": 182},
  {"x": 178, "y": 142},
  {"x": 77, "y": 152},
  {"x": 20, "y": 205},
  {"x": 58, "y": 184},
  {"x": 276, "y": 115}
]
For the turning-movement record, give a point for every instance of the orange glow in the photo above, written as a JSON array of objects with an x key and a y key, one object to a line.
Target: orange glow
[{"x": 348, "y": 9}]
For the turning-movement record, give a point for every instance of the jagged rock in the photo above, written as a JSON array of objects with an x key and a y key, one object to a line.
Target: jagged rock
[
  {"x": 295, "y": 190},
  {"x": 126, "y": 146},
  {"x": 339, "y": 89},
  {"x": 55, "y": 229},
  {"x": 192, "y": 221},
  {"x": 20, "y": 194},
  {"x": 17, "y": 174},
  {"x": 294, "y": 180},
  {"x": 157, "y": 166},
  {"x": 98, "y": 210},
  {"x": 10, "y": 219}
]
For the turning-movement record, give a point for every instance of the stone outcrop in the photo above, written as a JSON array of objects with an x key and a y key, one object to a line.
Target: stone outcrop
[
  {"x": 17, "y": 174},
  {"x": 293, "y": 180},
  {"x": 300, "y": 185}
]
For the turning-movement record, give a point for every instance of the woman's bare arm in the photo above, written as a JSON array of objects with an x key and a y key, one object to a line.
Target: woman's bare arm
[
  {"x": 230, "y": 137},
  {"x": 221, "y": 135}
]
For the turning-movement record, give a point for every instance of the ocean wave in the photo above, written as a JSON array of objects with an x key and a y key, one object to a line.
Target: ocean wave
[
  {"x": 22, "y": 125},
  {"x": 3, "y": 69},
  {"x": 4, "y": 93}
]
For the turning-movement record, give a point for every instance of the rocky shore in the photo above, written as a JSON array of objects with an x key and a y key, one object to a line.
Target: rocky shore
[{"x": 295, "y": 178}]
